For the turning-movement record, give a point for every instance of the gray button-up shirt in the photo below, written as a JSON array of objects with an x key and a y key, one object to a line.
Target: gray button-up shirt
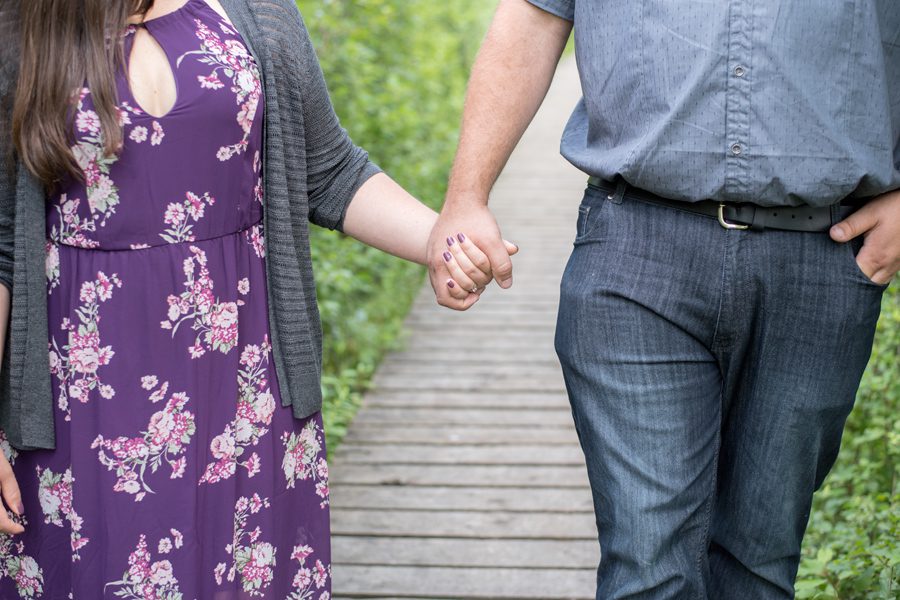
[{"x": 778, "y": 102}]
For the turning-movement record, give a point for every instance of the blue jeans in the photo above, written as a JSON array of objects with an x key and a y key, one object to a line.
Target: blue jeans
[{"x": 710, "y": 374}]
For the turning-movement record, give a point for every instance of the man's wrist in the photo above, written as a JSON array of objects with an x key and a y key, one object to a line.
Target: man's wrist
[{"x": 466, "y": 199}]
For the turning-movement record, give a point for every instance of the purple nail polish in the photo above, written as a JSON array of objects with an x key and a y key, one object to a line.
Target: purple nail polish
[
  {"x": 451, "y": 285},
  {"x": 461, "y": 238},
  {"x": 447, "y": 256},
  {"x": 450, "y": 241},
  {"x": 21, "y": 508}
]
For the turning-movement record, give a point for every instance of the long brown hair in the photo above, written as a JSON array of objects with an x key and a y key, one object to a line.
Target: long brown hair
[{"x": 63, "y": 44}]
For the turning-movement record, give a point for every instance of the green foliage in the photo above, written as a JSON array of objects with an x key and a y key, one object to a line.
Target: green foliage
[
  {"x": 852, "y": 547},
  {"x": 396, "y": 72}
]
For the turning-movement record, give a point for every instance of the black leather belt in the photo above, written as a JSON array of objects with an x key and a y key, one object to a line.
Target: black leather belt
[{"x": 745, "y": 215}]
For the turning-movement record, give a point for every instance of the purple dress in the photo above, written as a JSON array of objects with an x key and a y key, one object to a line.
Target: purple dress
[{"x": 177, "y": 472}]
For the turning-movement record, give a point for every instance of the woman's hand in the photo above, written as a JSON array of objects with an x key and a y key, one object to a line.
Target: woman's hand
[
  {"x": 469, "y": 268},
  {"x": 9, "y": 490}
]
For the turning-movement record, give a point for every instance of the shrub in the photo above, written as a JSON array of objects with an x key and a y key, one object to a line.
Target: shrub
[{"x": 396, "y": 72}]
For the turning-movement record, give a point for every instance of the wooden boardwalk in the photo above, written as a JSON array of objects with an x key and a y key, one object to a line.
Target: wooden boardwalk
[{"x": 462, "y": 477}]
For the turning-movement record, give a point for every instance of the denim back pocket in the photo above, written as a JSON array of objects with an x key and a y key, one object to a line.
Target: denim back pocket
[{"x": 590, "y": 215}]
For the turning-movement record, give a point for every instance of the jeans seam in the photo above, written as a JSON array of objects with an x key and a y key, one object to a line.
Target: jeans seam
[{"x": 704, "y": 540}]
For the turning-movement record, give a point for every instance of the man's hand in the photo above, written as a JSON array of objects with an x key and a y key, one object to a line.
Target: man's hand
[
  {"x": 879, "y": 222},
  {"x": 480, "y": 227}
]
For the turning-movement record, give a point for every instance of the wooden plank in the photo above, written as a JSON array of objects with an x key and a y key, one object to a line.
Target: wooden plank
[
  {"x": 440, "y": 435},
  {"x": 453, "y": 416},
  {"x": 451, "y": 356},
  {"x": 457, "y": 583},
  {"x": 463, "y": 400},
  {"x": 548, "y": 368},
  {"x": 474, "y": 383},
  {"x": 465, "y": 524},
  {"x": 473, "y": 553},
  {"x": 506, "y": 454},
  {"x": 525, "y": 499},
  {"x": 455, "y": 476}
]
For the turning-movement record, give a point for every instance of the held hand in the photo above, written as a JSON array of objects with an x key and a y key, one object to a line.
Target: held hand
[
  {"x": 879, "y": 222},
  {"x": 477, "y": 256},
  {"x": 469, "y": 267},
  {"x": 9, "y": 489}
]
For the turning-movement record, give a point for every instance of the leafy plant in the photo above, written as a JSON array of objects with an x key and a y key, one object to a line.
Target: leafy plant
[{"x": 396, "y": 72}]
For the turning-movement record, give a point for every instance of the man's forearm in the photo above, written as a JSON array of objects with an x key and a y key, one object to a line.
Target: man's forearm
[{"x": 509, "y": 80}]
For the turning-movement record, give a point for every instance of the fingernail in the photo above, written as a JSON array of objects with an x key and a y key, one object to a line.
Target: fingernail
[
  {"x": 450, "y": 284},
  {"x": 461, "y": 238},
  {"x": 447, "y": 256},
  {"x": 506, "y": 284},
  {"x": 450, "y": 241},
  {"x": 20, "y": 508},
  {"x": 838, "y": 232}
]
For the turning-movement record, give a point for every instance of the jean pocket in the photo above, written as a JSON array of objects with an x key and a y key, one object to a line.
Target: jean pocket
[
  {"x": 852, "y": 249},
  {"x": 589, "y": 214}
]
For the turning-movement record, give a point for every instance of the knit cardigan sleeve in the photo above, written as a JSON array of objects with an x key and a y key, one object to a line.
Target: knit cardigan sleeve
[
  {"x": 336, "y": 167},
  {"x": 7, "y": 164}
]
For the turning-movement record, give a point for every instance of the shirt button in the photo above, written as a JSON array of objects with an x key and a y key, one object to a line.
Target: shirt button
[
  {"x": 739, "y": 71},
  {"x": 736, "y": 149}
]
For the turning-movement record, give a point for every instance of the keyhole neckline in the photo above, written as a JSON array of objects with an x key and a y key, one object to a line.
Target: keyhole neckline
[{"x": 172, "y": 69}]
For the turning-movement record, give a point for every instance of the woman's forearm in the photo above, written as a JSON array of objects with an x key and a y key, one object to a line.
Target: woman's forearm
[{"x": 385, "y": 216}]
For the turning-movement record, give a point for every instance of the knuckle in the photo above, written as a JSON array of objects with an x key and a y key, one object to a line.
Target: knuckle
[{"x": 503, "y": 269}]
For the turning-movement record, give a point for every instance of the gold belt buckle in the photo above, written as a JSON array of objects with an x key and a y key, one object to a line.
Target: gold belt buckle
[{"x": 727, "y": 224}]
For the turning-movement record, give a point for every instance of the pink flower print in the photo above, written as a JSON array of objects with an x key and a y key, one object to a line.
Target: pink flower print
[
  {"x": 71, "y": 230},
  {"x": 214, "y": 321},
  {"x": 145, "y": 578},
  {"x": 138, "y": 134},
  {"x": 148, "y": 382},
  {"x": 230, "y": 59},
  {"x": 252, "y": 558},
  {"x": 256, "y": 239},
  {"x": 77, "y": 363},
  {"x": 244, "y": 286},
  {"x": 304, "y": 459},
  {"x": 158, "y": 134},
  {"x": 55, "y": 496},
  {"x": 179, "y": 214},
  {"x": 256, "y": 405},
  {"x": 87, "y": 121},
  {"x": 21, "y": 568},
  {"x": 301, "y": 552},
  {"x": 210, "y": 82},
  {"x": 51, "y": 264},
  {"x": 164, "y": 546},
  {"x": 163, "y": 441},
  {"x": 90, "y": 154},
  {"x": 320, "y": 575},
  {"x": 8, "y": 451},
  {"x": 178, "y": 537},
  {"x": 224, "y": 321},
  {"x": 306, "y": 577}
]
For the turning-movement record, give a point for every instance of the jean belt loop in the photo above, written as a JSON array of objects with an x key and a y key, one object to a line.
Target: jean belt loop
[
  {"x": 619, "y": 195},
  {"x": 836, "y": 213}
]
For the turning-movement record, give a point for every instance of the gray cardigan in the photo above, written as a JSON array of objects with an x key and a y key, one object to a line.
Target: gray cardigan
[{"x": 311, "y": 172}]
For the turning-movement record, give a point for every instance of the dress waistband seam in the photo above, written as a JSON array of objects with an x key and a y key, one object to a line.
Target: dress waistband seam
[{"x": 164, "y": 244}]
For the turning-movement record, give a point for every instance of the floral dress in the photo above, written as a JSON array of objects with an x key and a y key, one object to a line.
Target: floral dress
[{"x": 177, "y": 472}]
